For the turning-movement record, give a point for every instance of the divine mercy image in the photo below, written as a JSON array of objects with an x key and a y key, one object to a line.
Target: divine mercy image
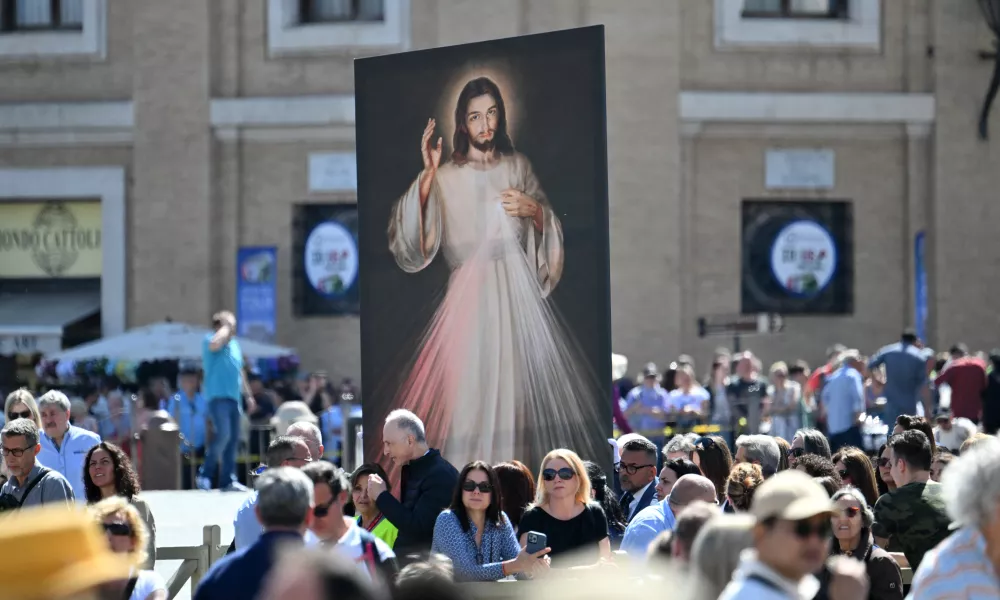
[{"x": 497, "y": 375}]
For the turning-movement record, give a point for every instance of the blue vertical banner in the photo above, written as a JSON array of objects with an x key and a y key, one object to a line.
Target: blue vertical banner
[
  {"x": 920, "y": 282},
  {"x": 256, "y": 293}
]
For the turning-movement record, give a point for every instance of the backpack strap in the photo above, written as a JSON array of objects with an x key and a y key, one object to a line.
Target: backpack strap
[
  {"x": 31, "y": 485},
  {"x": 129, "y": 588}
]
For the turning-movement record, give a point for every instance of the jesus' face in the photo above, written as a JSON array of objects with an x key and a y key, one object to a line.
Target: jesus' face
[{"x": 481, "y": 121}]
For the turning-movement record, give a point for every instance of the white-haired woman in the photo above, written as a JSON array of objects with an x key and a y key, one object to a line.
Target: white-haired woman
[
  {"x": 715, "y": 553},
  {"x": 852, "y": 521},
  {"x": 127, "y": 534}
]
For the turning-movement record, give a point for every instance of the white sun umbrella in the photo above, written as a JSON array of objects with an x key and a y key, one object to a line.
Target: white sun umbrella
[{"x": 162, "y": 341}]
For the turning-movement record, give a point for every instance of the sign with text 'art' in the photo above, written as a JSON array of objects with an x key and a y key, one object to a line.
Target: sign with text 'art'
[{"x": 50, "y": 240}]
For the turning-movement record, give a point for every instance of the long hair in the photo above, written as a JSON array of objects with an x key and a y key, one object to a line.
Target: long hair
[
  {"x": 126, "y": 482},
  {"x": 716, "y": 462},
  {"x": 492, "y": 511},
  {"x": 573, "y": 460},
  {"x": 517, "y": 489},
  {"x": 603, "y": 495},
  {"x": 859, "y": 468},
  {"x": 783, "y": 448},
  {"x": 481, "y": 86}
]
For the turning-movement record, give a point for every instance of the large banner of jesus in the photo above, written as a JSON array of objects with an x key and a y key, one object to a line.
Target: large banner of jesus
[{"x": 482, "y": 192}]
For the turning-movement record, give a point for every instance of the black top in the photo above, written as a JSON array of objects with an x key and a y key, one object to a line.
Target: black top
[
  {"x": 581, "y": 533},
  {"x": 427, "y": 485}
]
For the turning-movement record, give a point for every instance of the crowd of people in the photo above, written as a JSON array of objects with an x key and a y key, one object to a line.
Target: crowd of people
[{"x": 786, "y": 500}]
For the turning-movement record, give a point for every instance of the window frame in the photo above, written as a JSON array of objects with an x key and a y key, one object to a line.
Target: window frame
[
  {"x": 9, "y": 24},
  {"x": 306, "y": 16},
  {"x": 839, "y": 10}
]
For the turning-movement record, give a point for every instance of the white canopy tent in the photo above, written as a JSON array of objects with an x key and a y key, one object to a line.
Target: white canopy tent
[{"x": 162, "y": 341}]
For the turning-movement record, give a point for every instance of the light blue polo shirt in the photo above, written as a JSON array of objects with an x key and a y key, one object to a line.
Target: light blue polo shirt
[
  {"x": 69, "y": 459},
  {"x": 223, "y": 371}
]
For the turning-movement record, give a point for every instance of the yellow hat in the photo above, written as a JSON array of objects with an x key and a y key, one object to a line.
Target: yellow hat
[{"x": 53, "y": 552}]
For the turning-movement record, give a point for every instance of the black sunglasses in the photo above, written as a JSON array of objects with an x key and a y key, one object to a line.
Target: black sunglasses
[
  {"x": 843, "y": 474},
  {"x": 884, "y": 462},
  {"x": 805, "y": 529},
  {"x": 565, "y": 474},
  {"x": 123, "y": 529},
  {"x": 19, "y": 415},
  {"x": 322, "y": 510},
  {"x": 631, "y": 469},
  {"x": 796, "y": 452},
  {"x": 483, "y": 486},
  {"x": 705, "y": 443}
]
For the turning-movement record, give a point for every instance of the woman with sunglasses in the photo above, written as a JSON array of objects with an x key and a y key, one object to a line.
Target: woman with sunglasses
[
  {"x": 108, "y": 473},
  {"x": 883, "y": 471},
  {"x": 713, "y": 457},
  {"x": 808, "y": 441},
  {"x": 477, "y": 536},
  {"x": 852, "y": 522},
  {"x": 855, "y": 468},
  {"x": 127, "y": 535},
  {"x": 575, "y": 526},
  {"x": 20, "y": 404}
]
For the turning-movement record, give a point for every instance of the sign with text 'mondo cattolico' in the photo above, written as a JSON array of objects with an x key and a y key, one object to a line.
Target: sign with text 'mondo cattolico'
[{"x": 43, "y": 240}]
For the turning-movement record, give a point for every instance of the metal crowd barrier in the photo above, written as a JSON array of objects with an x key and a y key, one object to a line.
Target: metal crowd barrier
[{"x": 198, "y": 559}]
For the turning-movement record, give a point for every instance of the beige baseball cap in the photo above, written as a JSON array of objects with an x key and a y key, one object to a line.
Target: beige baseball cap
[{"x": 791, "y": 496}]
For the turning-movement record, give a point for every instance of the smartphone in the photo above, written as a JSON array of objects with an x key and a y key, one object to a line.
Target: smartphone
[{"x": 536, "y": 542}]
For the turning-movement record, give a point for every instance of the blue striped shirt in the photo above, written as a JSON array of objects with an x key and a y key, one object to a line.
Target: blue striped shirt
[
  {"x": 957, "y": 568},
  {"x": 472, "y": 563}
]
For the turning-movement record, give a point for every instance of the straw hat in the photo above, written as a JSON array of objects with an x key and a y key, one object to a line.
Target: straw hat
[{"x": 55, "y": 552}]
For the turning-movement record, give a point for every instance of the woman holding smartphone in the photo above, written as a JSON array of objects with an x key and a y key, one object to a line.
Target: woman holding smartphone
[
  {"x": 477, "y": 536},
  {"x": 575, "y": 527}
]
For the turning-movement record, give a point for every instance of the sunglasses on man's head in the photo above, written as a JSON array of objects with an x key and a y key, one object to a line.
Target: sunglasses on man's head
[
  {"x": 122, "y": 529},
  {"x": 18, "y": 415},
  {"x": 565, "y": 474},
  {"x": 482, "y": 486}
]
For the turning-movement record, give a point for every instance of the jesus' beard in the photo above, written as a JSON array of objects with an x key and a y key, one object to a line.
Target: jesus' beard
[{"x": 484, "y": 147}]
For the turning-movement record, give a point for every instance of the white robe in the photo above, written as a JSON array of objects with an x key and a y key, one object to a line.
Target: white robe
[{"x": 496, "y": 377}]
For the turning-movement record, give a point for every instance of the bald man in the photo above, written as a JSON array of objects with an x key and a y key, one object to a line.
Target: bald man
[
  {"x": 311, "y": 434},
  {"x": 652, "y": 521}
]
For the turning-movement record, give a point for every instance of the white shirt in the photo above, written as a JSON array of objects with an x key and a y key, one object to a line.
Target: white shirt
[
  {"x": 351, "y": 546},
  {"x": 148, "y": 582},
  {"x": 961, "y": 430},
  {"x": 753, "y": 580},
  {"x": 638, "y": 496}
]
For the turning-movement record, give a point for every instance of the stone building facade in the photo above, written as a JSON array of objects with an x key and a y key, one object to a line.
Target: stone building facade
[{"x": 192, "y": 121}]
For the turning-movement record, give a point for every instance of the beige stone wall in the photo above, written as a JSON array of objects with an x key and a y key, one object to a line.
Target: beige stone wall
[
  {"x": 897, "y": 67},
  {"x": 729, "y": 167},
  {"x": 52, "y": 79},
  {"x": 966, "y": 178}
]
